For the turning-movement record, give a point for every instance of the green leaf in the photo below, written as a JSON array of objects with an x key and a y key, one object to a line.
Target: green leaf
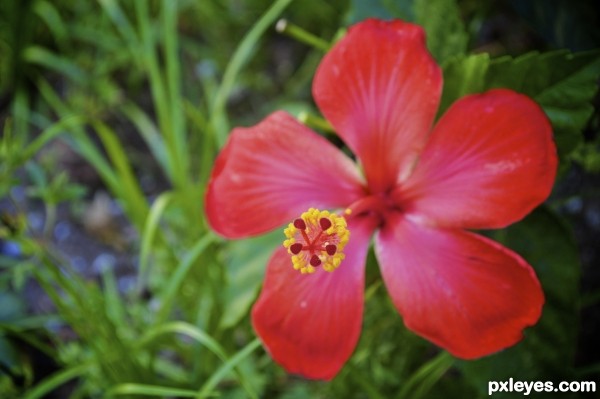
[
  {"x": 561, "y": 23},
  {"x": 384, "y": 9},
  {"x": 11, "y": 361},
  {"x": 547, "y": 351},
  {"x": 561, "y": 82},
  {"x": 246, "y": 262},
  {"x": 11, "y": 307},
  {"x": 588, "y": 154},
  {"x": 446, "y": 34}
]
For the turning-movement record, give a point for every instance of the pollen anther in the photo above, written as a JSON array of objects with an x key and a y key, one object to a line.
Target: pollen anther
[{"x": 316, "y": 239}]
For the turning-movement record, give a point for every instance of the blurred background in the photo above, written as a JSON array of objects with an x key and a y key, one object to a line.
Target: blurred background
[{"x": 112, "y": 113}]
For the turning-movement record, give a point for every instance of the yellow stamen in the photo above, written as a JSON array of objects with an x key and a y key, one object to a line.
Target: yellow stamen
[{"x": 316, "y": 239}]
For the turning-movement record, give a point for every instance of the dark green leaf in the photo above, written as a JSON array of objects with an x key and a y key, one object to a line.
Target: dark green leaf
[
  {"x": 547, "y": 351},
  {"x": 561, "y": 82},
  {"x": 384, "y": 9},
  {"x": 446, "y": 34},
  {"x": 563, "y": 23},
  {"x": 11, "y": 306}
]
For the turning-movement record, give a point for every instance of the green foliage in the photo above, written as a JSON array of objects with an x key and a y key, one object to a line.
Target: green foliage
[
  {"x": 588, "y": 155},
  {"x": 112, "y": 354},
  {"x": 564, "y": 84},
  {"x": 567, "y": 24},
  {"x": 547, "y": 353},
  {"x": 53, "y": 192},
  {"x": 245, "y": 265},
  {"x": 384, "y": 9},
  {"x": 446, "y": 34},
  {"x": 152, "y": 88},
  {"x": 441, "y": 19}
]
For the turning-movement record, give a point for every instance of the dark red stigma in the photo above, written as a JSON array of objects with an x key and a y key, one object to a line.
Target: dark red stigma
[
  {"x": 324, "y": 223},
  {"x": 300, "y": 224},
  {"x": 296, "y": 248},
  {"x": 331, "y": 249},
  {"x": 315, "y": 261}
]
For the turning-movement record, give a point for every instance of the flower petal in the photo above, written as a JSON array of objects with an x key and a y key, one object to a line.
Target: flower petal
[
  {"x": 380, "y": 89},
  {"x": 310, "y": 323},
  {"x": 270, "y": 173},
  {"x": 464, "y": 292},
  {"x": 489, "y": 161}
]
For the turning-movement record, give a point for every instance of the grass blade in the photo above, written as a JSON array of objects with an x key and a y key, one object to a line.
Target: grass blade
[
  {"x": 54, "y": 381},
  {"x": 133, "y": 199},
  {"x": 168, "y": 296},
  {"x": 41, "y": 56},
  {"x": 79, "y": 141},
  {"x": 239, "y": 59},
  {"x": 180, "y": 327},
  {"x": 177, "y": 133},
  {"x": 425, "y": 377},
  {"x": 149, "y": 132},
  {"x": 115, "y": 309},
  {"x": 51, "y": 132},
  {"x": 226, "y": 368},
  {"x": 150, "y": 390},
  {"x": 149, "y": 233}
]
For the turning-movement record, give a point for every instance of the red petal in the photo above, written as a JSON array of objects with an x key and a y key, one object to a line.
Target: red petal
[
  {"x": 490, "y": 160},
  {"x": 462, "y": 291},
  {"x": 380, "y": 88},
  {"x": 310, "y": 324},
  {"x": 272, "y": 172}
]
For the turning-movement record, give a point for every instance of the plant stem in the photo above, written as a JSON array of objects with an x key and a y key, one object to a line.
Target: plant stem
[{"x": 296, "y": 32}]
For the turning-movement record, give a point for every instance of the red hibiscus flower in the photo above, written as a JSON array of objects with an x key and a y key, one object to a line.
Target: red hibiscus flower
[{"x": 486, "y": 163}]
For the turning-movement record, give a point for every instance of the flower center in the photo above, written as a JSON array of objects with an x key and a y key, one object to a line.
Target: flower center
[
  {"x": 379, "y": 206},
  {"x": 316, "y": 238}
]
